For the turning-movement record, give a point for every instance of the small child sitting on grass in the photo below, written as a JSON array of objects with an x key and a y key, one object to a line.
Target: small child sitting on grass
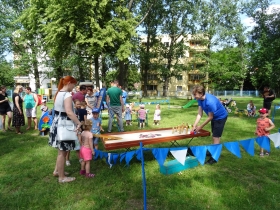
[
  {"x": 86, "y": 150},
  {"x": 264, "y": 125}
]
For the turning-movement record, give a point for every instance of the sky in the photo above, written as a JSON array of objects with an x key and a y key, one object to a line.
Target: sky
[{"x": 247, "y": 21}]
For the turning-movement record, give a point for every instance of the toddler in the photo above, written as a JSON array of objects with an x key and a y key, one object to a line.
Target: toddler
[
  {"x": 264, "y": 125},
  {"x": 96, "y": 126},
  {"x": 142, "y": 115},
  {"x": 86, "y": 150},
  {"x": 44, "y": 107},
  {"x": 157, "y": 115},
  {"x": 127, "y": 115}
]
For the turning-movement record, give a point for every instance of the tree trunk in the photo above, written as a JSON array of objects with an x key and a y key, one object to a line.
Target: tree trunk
[{"x": 96, "y": 70}]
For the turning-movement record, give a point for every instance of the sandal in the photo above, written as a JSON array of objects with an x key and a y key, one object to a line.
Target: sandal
[
  {"x": 82, "y": 172},
  {"x": 67, "y": 179},
  {"x": 19, "y": 132},
  {"x": 88, "y": 175},
  {"x": 261, "y": 154},
  {"x": 10, "y": 129},
  {"x": 56, "y": 174}
]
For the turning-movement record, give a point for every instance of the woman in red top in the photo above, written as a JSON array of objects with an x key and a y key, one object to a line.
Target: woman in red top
[{"x": 264, "y": 125}]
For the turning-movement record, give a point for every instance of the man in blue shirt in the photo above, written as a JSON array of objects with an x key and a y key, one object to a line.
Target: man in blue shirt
[{"x": 215, "y": 111}]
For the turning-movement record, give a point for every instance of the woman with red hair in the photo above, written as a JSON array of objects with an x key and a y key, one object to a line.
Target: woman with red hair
[{"x": 63, "y": 104}]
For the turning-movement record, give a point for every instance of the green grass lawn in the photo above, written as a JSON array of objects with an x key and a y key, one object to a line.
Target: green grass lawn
[{"x": 27, "y": 163}]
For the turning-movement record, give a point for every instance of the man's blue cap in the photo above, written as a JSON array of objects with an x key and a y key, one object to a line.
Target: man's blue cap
[{"x": 95, "y": 110}]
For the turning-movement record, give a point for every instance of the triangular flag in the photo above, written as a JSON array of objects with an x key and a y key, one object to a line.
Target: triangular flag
[
  {"x": 215, "y": 150},
  {"x": 233, "y": 147},
  {"x": 160, "y": 154},
  {"x": 122, "y": 156},
  {"x": 103, "y": 154},
  {"x": 275, "y": 138},
  {"x": 248, "y": 145},
  {"x": 108, "y": 160},
  {"x": 179, "y": 155},
  {"x": 200, "y": 153},
  {"x": 97, "y": 153},
  {"x": 138, "y": 152},
  {"x": 129, "y": 155},
  {"x": 263, "y": 142}
]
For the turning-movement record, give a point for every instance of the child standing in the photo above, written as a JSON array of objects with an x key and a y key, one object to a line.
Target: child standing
[
  {"x": 86, "y": 150},
  {"x": 127, "y": 115},
  {"x": 96, "y": 126},
  {"x": 157, "y": 115},
  {"x": 264, "y": 125},
  {"x": 44, "y": 107},
  {"x": 142, "y": 116}
]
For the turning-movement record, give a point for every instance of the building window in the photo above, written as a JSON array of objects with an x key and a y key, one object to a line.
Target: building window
[
  {"x": 151, "y": 77},
  {"x": 179, "y": 78},
  {"x": 151, "y": 87},
  {"x": 195, "y": 77},
  {"x": 179, "y": 88}
]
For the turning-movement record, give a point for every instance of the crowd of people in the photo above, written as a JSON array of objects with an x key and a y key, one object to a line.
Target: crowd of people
[{"x": 81, "y": 108}]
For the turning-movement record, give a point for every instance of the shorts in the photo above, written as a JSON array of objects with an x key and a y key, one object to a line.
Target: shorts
[
  {"x": 85, "y": 153},
  {"x": 95, "y": 140},
  {"x": 141, "y": 120},
  {"x": 267, "y": 105},
  {"x": 31, "y": 112},
  {"x": 217, "y": 127}
]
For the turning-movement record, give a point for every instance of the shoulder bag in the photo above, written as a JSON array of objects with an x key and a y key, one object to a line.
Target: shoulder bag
[{"x": 66, "y": 129}]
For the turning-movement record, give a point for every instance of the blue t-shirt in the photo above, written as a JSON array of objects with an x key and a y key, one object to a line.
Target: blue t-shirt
[
  {"x": 212, "y": 104},
  {"x": 96, "y": 123}
]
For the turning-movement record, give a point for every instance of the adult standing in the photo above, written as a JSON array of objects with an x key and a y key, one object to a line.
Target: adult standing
[
  {"x": 31, "y": 103},
  {"x": 268, "y": 97},
  {"x": 63, "y": 108},
  {"x": 90, "y": 99},
  {"x": 5, "y": 108},
  {"x": 80, "y": 95},
  {"x": 215, "y": 111},
  {"x": 18, "y": 116},
  {"x": 116, "y": 105}
]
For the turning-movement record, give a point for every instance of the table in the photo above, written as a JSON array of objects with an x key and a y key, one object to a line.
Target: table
[{"x": 154, "y": 136}]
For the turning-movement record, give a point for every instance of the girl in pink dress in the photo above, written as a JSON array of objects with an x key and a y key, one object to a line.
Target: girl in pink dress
[{"x": 86, "y": 150}]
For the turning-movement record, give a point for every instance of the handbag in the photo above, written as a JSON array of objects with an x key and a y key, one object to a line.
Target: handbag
[{"x": 65, "y": 128}]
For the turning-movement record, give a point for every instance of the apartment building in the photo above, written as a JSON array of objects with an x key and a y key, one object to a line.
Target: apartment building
[{"x": 182, "y": 84}]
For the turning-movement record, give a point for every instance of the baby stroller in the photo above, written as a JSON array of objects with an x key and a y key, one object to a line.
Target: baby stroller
[{"x": 226, "y": 104}]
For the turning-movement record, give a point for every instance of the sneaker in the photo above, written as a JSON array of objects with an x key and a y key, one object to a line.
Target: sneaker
[
  {"x": 68, "y": 163},
  {"x": 267, "y": 153},
  {"x": 261, "y": 154},
  {"x": 211, "y": 161}
]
